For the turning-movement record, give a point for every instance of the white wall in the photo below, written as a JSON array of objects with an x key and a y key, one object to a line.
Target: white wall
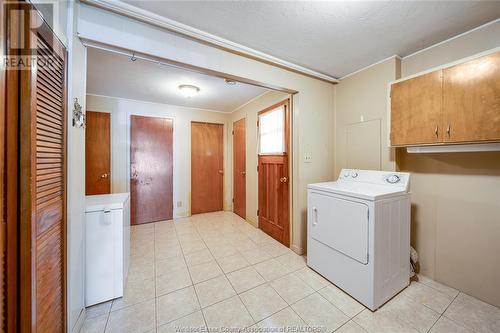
[
  {"x": 313, "y": 105},
  {"x": 122, "y": 109},
  {"x": 455, "y": 196},
  {"x": 249, "y": 112},
  {"x": 77, "y": 73},
  {"x": 361, "y": 118},
  {"x": 455, "y": 206}
]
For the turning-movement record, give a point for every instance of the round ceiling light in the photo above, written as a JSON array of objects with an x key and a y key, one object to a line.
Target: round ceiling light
[{"x": 189, "y": 90}]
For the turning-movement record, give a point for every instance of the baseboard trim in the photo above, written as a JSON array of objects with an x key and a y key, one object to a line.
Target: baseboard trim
[
  {"x": 79, "y": 322},
  {"x": 297, "y": 249}
]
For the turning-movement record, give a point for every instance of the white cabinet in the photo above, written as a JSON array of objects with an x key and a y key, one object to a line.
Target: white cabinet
[{"x": 107, "y": 246}]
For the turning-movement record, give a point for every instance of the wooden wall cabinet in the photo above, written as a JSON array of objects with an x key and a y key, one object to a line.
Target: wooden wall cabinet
[
  {"x": 471, "y": 100},
  {"x": 458, "y": 104},
  {"x": 416, "y": 107}
]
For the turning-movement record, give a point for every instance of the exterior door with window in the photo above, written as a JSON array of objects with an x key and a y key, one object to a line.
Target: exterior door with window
[{"x": 274, "y": 179}]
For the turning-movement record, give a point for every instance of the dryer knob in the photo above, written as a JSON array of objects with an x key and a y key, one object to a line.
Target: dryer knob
[
  {"x": 354, "y": 175},
  {"x": 393, "y": 179}
]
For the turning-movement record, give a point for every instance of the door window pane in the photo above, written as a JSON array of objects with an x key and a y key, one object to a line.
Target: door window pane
[{"x": 272, "y": 131}]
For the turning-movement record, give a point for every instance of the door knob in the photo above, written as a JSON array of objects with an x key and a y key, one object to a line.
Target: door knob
[
  {"x": 104, "y": 176},
  {"x": 243, "y": 173},
  {"x": 283, "y": 179},
  {"x": 221, "y": 172}
]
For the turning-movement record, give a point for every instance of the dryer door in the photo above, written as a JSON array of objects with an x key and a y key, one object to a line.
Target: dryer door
[{"x": 340, "y": 224}]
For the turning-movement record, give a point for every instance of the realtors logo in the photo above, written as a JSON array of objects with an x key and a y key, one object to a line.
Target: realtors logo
[{"x": 27, "y": 45}]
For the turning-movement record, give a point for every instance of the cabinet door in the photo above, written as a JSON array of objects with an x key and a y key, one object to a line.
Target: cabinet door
[
  {"x": 471, "y": 100},
  {"x": 100, "y": 254},
  {"x": 416, "y": 110}
]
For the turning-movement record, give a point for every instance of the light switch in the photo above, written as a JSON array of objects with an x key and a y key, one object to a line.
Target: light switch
[{"x": 179, "y": 203}]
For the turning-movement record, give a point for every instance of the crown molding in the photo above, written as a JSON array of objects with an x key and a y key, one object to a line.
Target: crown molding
[{"x": 184, "y": 30}]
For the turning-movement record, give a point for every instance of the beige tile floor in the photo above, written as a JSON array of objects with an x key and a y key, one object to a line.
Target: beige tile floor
[{"x": 215, "y": 270}]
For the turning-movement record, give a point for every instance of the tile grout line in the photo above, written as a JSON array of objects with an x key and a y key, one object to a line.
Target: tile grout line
[
  {"x": 442, "y": 314},
  {"x": 227, "y": 280},
  {"x": 196, "y": 224},
  {"x": 154, "y": 270},
  {"x": 187, "y": 267},
  {"x": 437, "y": 290},
  {"x": 190, "y": 277}
]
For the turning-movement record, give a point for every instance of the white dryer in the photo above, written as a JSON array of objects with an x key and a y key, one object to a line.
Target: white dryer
[{"x": 358, "y": 234}]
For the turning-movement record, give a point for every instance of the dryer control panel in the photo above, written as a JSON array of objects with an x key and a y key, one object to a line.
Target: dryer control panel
[{"x": 390, "y": 178}]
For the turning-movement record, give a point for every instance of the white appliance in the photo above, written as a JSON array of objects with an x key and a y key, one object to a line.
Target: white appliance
[
  {"x": 107, "y": 246},
  {"x": 359, "y": 233}
]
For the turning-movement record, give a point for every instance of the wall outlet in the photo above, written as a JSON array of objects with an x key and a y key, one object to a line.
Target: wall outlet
[
  {"x": 307, "y": 158},
  {"x": 179, "y": 203}
]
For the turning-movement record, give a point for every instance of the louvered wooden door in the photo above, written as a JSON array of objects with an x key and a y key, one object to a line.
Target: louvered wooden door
[{"x": 43, "y": 186}]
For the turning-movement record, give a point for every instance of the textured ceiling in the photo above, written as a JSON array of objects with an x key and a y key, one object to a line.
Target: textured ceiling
[
  {"x": 332, "y": 37},
  {"x": 115, "y": 75}
]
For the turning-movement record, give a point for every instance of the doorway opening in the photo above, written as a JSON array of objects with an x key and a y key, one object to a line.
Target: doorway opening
[{"x": 209, "y": 162}]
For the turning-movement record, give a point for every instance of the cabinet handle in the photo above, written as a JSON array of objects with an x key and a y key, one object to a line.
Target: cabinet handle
[
  {"x": 315, "y": 211},
  {"x": 448, "y": 130},
  {"x": 436, "y": 131}
]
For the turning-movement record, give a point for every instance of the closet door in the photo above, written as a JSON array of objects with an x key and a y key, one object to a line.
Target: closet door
[
  {"x": 471, "y": 100},
  {"x": 42, "y": 183}
]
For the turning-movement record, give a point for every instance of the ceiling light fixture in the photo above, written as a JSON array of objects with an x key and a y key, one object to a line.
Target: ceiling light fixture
[
  {"x": 189, "y": 90},
  {"x": 230, "y": 82}
]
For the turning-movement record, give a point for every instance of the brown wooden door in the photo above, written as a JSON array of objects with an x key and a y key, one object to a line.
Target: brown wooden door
[
  {"x": 207, "y": 167},
  {"x": 416, "y": 110},
  {"x": 43, "y": 185},
  {"x": 471, "y": 100},
  {"x": 9, "y": 168},
  {"x": 274, "y": 180},
  {"x": 97, "y": 153},
  {"x": 151, "y": 169},
  {"x": 239, "y": 168}
]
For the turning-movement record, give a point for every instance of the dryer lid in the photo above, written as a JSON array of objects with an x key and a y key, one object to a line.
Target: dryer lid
[{"x": 367, "y": 184}]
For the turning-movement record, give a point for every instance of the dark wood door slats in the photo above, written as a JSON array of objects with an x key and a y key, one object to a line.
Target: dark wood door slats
[
  {"x": 43, "y": 186},
  {"x": 207, "y": 167},
  {"x": 151, "y": 169}
]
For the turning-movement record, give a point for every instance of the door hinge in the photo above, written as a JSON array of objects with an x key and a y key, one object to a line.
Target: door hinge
[
  {"x": 232, "y": 132},
  {"x": 257, "y": 168},
  {"x": 368, "y": 214},
  {"x": 257, "y": 212},
  {"x": 367, "y": 257},
  {"x": 233, "y": 200},
  {"x": 257, "y": 123}
]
